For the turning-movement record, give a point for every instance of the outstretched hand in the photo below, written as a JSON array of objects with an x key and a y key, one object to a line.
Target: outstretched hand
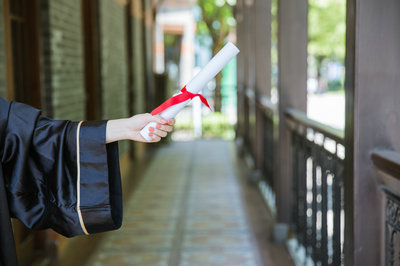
[{"x": 129, "y": 128}]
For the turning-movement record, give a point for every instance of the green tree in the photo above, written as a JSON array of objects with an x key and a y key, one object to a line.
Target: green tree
[
  {"x": 217, "y": 21},
  {"x": 326, "y": 31}
]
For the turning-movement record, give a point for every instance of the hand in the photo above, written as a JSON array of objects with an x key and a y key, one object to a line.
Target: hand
[{"x": 129, "y": 128}]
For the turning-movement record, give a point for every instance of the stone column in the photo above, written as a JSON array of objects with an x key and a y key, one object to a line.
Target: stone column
[{"x": 186, "y": 63}]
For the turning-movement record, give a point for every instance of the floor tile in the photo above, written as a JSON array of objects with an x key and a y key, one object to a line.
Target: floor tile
[
  {"x": 151, "y": 258},
  {"x": 218, "y": 258},
  {"x": 191, "y": 214}
]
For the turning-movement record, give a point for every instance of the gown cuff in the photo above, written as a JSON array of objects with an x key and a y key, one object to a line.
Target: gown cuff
[{"x": 99, "y": 196}]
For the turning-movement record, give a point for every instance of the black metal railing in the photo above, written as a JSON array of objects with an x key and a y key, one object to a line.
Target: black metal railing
[
  {"x": 268, "y": 110},
  {"x": 318, "y": 205},
  {"x": 251, "y": 120},
  {"x": 388, "y": 165}
]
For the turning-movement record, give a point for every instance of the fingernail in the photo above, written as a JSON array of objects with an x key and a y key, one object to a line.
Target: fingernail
[
  {"x": 151, "y": 129},
  {"x": 150, "y": 134},
  {"x": 163, "y": 121},
  {"x": 158, "y": 126}
]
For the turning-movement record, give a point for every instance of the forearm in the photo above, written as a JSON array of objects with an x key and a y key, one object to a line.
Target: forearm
[{"x": 117, "y": 130}]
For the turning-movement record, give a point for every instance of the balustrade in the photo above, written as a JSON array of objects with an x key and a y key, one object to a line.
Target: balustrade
[
  {"x": 318, "y": 206},
  {"x": 387, "y": 164}
]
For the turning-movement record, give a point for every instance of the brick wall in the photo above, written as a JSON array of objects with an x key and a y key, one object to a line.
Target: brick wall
[
  {"x": 62, "y": 55},
  {"x": 3, "y": 87},
  {"x": 113, "y": 61},
  {"x": 138, "y": 58},
  {"x": 113, "y": 56}
]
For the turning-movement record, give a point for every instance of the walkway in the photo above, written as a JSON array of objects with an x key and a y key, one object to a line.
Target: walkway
[{"x": 192, "y": 209}]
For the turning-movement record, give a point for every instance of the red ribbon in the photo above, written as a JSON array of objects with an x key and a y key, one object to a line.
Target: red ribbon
[{"x": 180, "y": 98}]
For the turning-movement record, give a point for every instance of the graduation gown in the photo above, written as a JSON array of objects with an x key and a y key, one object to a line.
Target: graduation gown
[{"x": 55, "y": 174}]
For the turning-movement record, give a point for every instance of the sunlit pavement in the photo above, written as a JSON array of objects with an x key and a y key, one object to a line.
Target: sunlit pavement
[
  {"x": 193, "y": 207},
  {"x": 327, "y": 108}
]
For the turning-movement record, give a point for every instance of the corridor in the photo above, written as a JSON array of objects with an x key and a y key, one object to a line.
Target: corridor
[{"x": 193, "y": 206}]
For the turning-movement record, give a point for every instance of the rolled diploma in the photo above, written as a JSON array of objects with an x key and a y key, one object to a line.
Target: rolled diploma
[{"x": 197, "y": 83}]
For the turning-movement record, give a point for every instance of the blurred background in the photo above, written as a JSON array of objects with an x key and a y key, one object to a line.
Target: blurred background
[{"x": 297, "y": 162}]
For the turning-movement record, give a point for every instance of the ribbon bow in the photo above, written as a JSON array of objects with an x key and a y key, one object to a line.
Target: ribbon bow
[{"x": 180, "y": 98}]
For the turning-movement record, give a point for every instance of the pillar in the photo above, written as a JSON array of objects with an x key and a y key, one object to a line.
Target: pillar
[
  {"x": 239, "y": 15},
  {"x": 292, "y": 86},
  {"x": 372, "y": 120},
  {"x": 262, "y": 12}
]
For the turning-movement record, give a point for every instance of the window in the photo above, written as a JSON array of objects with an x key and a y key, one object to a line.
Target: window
[{"x": 22, "y": 46}]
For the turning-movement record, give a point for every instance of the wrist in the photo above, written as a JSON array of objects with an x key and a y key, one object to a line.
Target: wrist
[{"x": 116, "y": 130}]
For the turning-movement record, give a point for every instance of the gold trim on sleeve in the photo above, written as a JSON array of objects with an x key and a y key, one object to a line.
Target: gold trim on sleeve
[{"x": 78, "y": 181}]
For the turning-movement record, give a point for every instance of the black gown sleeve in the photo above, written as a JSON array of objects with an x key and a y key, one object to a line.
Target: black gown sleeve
[{"x": 60, "y": 174}]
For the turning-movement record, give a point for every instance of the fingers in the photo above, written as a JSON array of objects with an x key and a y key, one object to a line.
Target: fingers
[
  {"x": 162, "y": 128},
  {"x": 154, "y": 137},
  {"x": 158, "y": 132},
  {"x": 171, "y": 122},
  {"x": 158, "y": 119}
]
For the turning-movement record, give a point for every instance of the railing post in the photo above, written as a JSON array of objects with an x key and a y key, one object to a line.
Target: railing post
[
  {"x": 372, "y": 120},
  {"x": 292, "y": 67}
]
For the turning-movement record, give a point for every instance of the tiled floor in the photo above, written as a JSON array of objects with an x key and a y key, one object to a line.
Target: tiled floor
[{"x": 189, "y": 210}]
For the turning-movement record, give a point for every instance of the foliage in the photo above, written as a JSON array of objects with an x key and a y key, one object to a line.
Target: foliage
[
  {"x": 274, "y": 21},
  {"x": 214, "y": 125},
  {"x": 274, "y": 46},
  {"x": 327, "y": 34},
  {"x": 327, "y": 29},
  {"x": 335, "y": 85},
  {"x": 183, "y": 123},
  {"x": 217, "y": 21}
]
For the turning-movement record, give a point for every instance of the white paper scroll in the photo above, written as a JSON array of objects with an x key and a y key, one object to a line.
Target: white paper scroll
[{"x": 198, "y": 82}]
